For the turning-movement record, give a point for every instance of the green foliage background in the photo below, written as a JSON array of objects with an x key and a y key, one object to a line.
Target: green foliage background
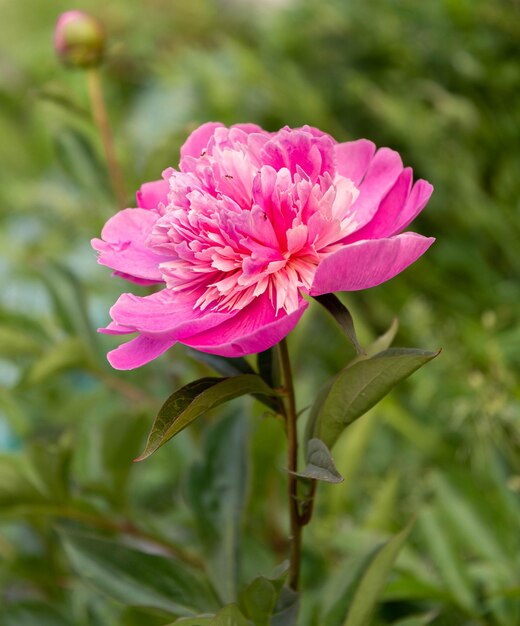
[{"x": 440, "y": 82}]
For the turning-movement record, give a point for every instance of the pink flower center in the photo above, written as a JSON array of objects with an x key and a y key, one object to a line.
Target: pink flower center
[{"x": 236, "y": 227}]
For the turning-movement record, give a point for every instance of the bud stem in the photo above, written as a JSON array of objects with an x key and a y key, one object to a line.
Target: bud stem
[{"x": 99, "y": 112}]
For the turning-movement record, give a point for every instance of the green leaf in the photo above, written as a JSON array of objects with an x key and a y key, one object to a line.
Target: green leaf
[
  {"x": 137, "y": 578},
  {"x": 31, "y": 613},
  {"x": 374, "y": 580},
  {"x": 202, "y": 620},
  {"x": 196, "y": 398},
  {"x": 230, "y": 616},
  {"x": 342, "y": 316},
  {"x": 259, "y": 600},
  {"x": 358, "y": 387},
  {"x": 320, "y": 464},
  {"x": 236, "y": 366},
  {"x": 223, "y": 365},
  {"x": 216, "y": 491},
  {"x": 16, "y": 342},
  {"x": 286, "y": 610},
  {"x": 444, "y": 552},
  {"x": 68, "y": 353}
]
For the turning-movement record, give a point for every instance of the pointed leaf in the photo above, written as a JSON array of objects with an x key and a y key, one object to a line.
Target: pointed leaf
[
  {"x": 320, "y": 464},
  {"x": 137, "y": 578},
  {"x": 222, "y": 365},
  {"x": 342, "y": 316},
  {"x": 196, "y": 398},
  {"x": 358, "y": 387},
  {"x": 374, "y": 580}
]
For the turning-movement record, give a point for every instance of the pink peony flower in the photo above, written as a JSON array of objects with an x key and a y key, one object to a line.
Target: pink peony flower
[{"x": 251, "y": 223}]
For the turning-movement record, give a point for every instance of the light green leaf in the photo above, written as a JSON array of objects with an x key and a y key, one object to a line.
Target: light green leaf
[
  {"x": 196, "y": 398},
  {"x": 320, "y": 464},
  {"x": 259, "y": 600},
  {"x": 230, "y": 616},
  {"x": 374, "y": 580},
  {"x": 137, "y": 578},
  {"x": 444, "y": 553},
  {"x": 202, "y": 620},
  {"x": 68, "y": 353},
  {"x": 357, "y": 388}
]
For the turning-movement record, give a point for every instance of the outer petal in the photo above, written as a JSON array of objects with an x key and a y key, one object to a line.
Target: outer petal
[
  {"x": 366, "y": 264},
  {"x": 198, "y": 140},
  {"x": 254, "y": 329},
  {"x": 383, "y": 171},
  {"x": 150, "y": 194},
  {"x": 163, "y": 313},
  {"x": 385, "y": 221},
  {"x": 139, "y": 351},
  {"x": 397, "y": 210},
  {"x": 123, "y": 246},
  {"x": 353, "y": 159}
]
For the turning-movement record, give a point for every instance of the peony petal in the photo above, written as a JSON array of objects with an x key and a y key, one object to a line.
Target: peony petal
[
  {"x": 138, "y": 351},
  {"x": 385, "y": 221},
  {"x": 383, "y": 171},
  {"x": 123, "y": 246},
  {"x": 151, "y": 194},
  {"x": 197, "y": 142},
  {"x": 419, "y": 196},
  {"x": 254, "y": 329},
  {"x": 365, "y": 264},
  {"x": 164, "y": 312},
  {"x": 353, "y": 159}
]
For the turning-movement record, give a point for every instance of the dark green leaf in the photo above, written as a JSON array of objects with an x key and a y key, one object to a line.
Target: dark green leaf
[
  {"x": 320, "y": 464},
  {"x": 216, "y": 491},
  {"x": 357, "y": 388},
  {"x": 137, "y": 578},
  {"x": 269, "y": 367},
  {"x": 374, "y": 580},
  {"x": 222, "y": 365},
  {"x": 194, "y": 399},
  {"x": 343, "y": 316},
  {"x": 234, "y": 367}
]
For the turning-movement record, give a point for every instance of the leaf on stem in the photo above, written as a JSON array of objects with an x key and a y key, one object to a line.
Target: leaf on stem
[
  {"x": 320, "y": 464},
  {"x": 342, "y": 316},
  {"x": 226, "y": 366},
  {"x": 358, "y": 387},
  {"x": 196, "y": 398}
]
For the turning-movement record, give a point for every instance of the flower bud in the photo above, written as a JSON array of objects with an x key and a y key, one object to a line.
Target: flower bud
[{"x": 79, "y": 39}]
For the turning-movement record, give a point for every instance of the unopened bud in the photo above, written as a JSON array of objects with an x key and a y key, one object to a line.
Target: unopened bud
[{"x": 79, "y": 39}]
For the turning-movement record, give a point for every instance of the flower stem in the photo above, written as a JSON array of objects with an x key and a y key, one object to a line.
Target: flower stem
[
  {"x": 100, "y": 115},
  {"x": 292, "y": 448}
]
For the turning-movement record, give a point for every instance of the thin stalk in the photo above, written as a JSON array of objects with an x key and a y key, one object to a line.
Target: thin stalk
[
  {"x": 292, "y": 448},
  {"x": 99, "y": 112}
]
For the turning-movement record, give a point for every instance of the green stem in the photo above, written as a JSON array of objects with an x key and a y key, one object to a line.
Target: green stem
[
  {"x": 292, "y": 449},
  {"x": 99, "y": 112}
]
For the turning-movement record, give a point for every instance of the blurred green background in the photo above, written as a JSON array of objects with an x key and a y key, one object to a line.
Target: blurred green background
[{"x": 440, "y": 82}]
